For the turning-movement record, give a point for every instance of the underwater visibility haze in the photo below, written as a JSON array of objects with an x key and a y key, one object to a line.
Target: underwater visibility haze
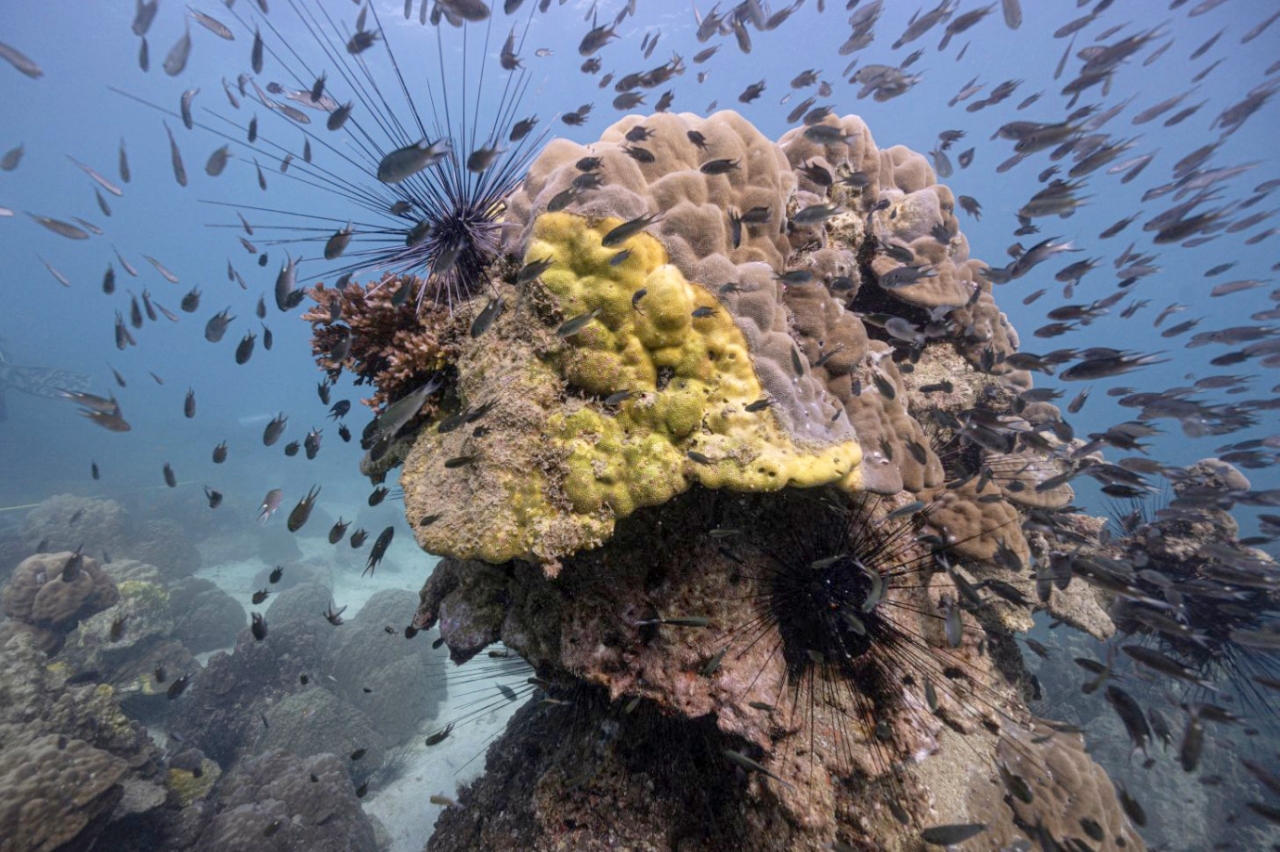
[{"x": 588, "y": 424}]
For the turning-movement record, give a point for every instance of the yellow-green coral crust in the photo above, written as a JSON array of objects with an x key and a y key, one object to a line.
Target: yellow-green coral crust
[
  {"x": 188, "y": 787},
  {"x": 638, "y": 456}
]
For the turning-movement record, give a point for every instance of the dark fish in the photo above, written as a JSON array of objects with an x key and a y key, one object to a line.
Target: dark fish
[
  {"x": 274, "y": 577},
  {"x": 311, "y": 443},
  {"x": 718, "y": 167},
  {"x": 358, "y": 538},
  {"x": 169, "y": 478},
  {"x": 72, "y": 568},
  {"x": 178, "y": 686},
  {"x": 1192, "y": 743},
  {"x": 750, "y": 765},
  {"x": 302, "y": 511},
  {"x": 176, "y": 60},
  {"x": 288, "y": 294},
  {"x": 406, "y": 162},
  {"x": 946, "y": 835},
  {"x": 62, "y": 229},
  {"x": 258, "y": 627},
  {"x": 213, "y": 25},
  {"x": 574, "y": 325},
  {"x": 274, "y": 429},
  {"x": 379, "y": 550},
  {"x": 677, "y": 621},
  {"x": 220, "y": 453},
  {"x": 216, "y": 327},
  {"x": 377, "y": 495},
  {"x": 1130, "y": 714},
  {"x": 217, "y": 162},
  {"x": 395, "y": 416},
  {"x": 440, "y": 736},
  {"x": 270, "y": 504},
  {"x": 175, "y": 157},
  {"x": 255, "y": 58},
  {"x": 338, "y": 531},
  {"x": 485, "y": 319},
  {"x": 627, "y": 230}
]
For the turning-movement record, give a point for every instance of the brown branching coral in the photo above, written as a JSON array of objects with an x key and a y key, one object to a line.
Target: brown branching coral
[{"x": 380, "y": 339}]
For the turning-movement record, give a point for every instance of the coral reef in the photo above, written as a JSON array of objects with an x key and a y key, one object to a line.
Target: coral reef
[
  {"x": 304, "y": 601},
  {"x": 687, "y": 417},
  {"x": 55, "y": 798},
  {"x": 310, "y": 687},
  {"x": 316, "y": 721},
  {"x": 1066, "y": 797},
  {"x": 654, "y": 474}
]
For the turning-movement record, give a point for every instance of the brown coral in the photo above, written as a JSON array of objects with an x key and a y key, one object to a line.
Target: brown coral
[
  {"x": 1058, "y": 791},
  {"x": 38, "y": 595},
  {"x": 381, "y": 339},
  {"x": 56, "y": 793}
]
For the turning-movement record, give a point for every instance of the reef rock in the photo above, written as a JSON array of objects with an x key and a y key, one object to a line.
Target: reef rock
[
  {"x": 314, "y": 721},
  {"x": 219, "y": 712},
  {"x": 74, "y": 763},
  {"x": 57, "y": 793},
  {"x": 292, "y": 803},
  {"x": 394, "y": 680},
  {"x": 205, "y": 617}
]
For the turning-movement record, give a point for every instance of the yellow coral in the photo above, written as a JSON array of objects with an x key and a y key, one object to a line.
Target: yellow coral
[
  {"x": 692, "y": 376},
  {"x": 188, "y": 787},
  {"x": 547, "y": 493}
]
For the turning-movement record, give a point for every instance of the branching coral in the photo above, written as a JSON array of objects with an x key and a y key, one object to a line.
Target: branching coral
[{"x": 380, "y": 338}]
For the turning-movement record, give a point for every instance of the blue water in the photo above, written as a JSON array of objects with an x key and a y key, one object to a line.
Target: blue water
[{"x": 85, "y": 48}]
